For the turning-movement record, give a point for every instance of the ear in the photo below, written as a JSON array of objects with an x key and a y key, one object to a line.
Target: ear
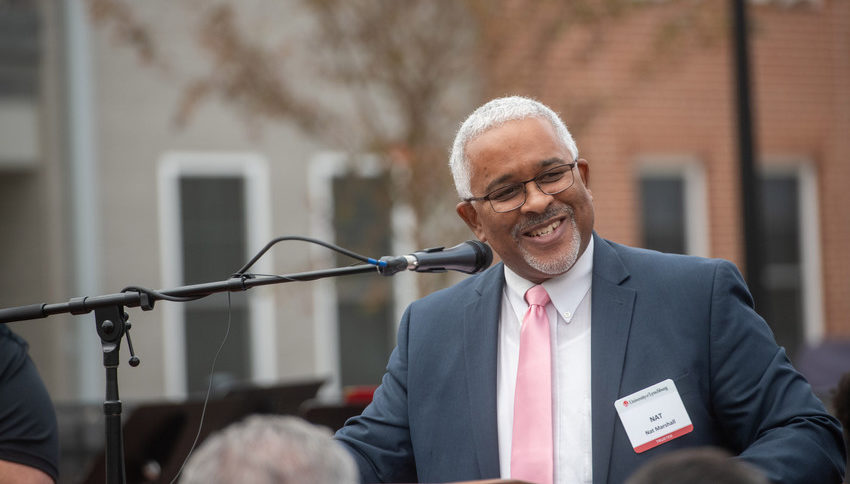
[
  {"x": 469, "y": 215},
  {"x": 584, "y": 171}
]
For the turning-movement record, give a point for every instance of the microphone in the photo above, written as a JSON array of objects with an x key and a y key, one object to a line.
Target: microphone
[{"x": 470, "y": 257}]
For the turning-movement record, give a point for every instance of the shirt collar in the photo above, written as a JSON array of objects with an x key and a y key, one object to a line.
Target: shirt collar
[{"x": 566, "y": 290}]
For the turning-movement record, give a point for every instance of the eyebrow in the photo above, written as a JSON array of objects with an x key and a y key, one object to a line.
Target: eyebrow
[{"x": 502, "y": 180}]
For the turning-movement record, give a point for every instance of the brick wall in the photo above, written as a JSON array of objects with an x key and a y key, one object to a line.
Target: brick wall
[{"x": 658, "y": 80}]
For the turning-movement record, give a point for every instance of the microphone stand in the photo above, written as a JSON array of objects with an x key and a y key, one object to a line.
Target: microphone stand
[{"x": 112, "y": 324}]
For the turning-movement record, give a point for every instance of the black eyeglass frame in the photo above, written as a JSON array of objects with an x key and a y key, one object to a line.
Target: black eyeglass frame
[{"x": 535, "y": 179}]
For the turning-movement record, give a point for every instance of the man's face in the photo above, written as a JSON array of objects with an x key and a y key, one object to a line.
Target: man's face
[{"x": 544, "y": 237}]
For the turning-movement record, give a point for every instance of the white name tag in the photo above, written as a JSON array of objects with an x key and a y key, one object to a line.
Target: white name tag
[{"x": 653, "y": 416}]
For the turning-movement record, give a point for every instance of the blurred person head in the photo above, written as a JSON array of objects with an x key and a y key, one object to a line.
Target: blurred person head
[
  {"x": 699, "y": 465},
  {"x": 523, "y": 187},
  {"x": 270, "y": 449}
]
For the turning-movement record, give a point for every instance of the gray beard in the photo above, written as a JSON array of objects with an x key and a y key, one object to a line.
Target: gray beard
[{"x": 554, "y": 267}]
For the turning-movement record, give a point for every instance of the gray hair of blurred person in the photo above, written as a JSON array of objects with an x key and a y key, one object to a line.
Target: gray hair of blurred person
[
  {"x": 494, "y": 114},
  {"x": 697, "y": 465},
  {"x": 267, "y": 449}
]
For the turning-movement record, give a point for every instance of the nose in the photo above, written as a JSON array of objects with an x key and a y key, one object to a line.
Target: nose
[{"x": 535, "y": 200}]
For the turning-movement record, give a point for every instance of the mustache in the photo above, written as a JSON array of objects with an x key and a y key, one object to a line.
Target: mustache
[{"x": 536, "y": 219}]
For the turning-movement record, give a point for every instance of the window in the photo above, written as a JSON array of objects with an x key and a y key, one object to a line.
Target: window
[
  {"x": 663, "y": 214},
  {"x": 20, "y": 56},
  {"x": 212, "y": 220},
  {"x": 356, "y": 316},
  {"x": 791, "y": 275},
  {"x": 214, "y": 216},
  {"x": 365, "y": 318},
  {"x": 672, "y": 206}
]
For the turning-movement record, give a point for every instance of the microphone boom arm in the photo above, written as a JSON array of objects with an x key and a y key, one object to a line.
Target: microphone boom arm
[{"x": 112, "y": 322}]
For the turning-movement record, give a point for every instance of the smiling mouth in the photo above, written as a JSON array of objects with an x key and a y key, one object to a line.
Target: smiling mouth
[{"x": 545, "y": 230}]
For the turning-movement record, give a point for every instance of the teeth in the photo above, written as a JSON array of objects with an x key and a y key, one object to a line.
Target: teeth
[{"x": 545, "y": 230}]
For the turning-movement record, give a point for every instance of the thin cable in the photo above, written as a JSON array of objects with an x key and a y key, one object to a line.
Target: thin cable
[
  {"x": 159, "y": 295},
  {"x": 277, "y": 276},
  {"x": 333, "y": 247},
  {"x": 209, "y": 390},
  {"x": 271, "y": 276},
  {"x": 156, "y": 295}
]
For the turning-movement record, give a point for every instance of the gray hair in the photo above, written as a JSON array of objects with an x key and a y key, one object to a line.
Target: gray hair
[
  {"x": 697, "y": 465},
  {"x": 494, "y": 114},
  {"x": 271, "y": 449}
]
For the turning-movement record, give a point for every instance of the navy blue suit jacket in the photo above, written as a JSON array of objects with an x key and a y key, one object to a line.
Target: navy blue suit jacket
[{"x": 653, "y": 316}]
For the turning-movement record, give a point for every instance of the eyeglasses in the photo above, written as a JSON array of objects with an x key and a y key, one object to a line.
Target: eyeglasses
[{"x": 511, "y": 197}]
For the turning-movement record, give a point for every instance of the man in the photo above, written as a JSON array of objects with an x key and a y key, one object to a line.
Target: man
[
  {"x": 270, "y": 449},
  {"x": 645, "y": 353},
  {"x": 29, "y": 442}
]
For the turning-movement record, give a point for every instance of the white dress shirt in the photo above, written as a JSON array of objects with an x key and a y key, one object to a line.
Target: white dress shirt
[{"x": 569, "y": 322}]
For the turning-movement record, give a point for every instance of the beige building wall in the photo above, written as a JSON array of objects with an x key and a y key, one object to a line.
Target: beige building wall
[
  {"x": 34, "y": 225},
  {"x": 133, "y": 110},
  {"x": 136, "y": 107}
]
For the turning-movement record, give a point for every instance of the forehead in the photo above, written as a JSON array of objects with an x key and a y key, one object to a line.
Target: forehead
[{"x": 516, "y": 148}]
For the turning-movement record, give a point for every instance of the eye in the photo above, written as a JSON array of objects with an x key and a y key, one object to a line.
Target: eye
[
  {"x": 552, "y": 175},
  {"x": 505, "y": 193}
]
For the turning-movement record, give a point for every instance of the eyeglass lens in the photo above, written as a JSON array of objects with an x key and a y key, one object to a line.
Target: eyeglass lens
[{"x": 551, "y": 182}]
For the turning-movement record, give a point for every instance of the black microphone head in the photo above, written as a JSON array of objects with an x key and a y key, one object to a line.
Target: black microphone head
[
  {"x": 468, "y": 257},
  {"x": 483, "y": 255}
]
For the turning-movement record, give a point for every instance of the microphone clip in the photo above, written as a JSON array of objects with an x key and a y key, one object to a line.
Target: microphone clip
[
  {"x": 390, "y": 265},
  {"x": 394, "y": 264}
]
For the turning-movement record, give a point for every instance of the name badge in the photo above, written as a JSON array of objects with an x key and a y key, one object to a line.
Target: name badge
[{"x": 653, "y": 416}]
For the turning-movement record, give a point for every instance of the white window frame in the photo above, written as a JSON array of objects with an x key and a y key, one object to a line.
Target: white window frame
[
  {"x": 323, "y": 168},
  {"x": 810, "y": 247},
  {"x": 696, "y": 207},
  {"x": 253, "y": 169}
]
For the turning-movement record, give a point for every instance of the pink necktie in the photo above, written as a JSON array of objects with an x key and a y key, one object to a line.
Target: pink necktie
[{"x": 531, "y": 446}]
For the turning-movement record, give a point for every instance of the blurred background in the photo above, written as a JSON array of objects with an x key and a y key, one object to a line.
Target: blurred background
[{"x": 163, "y": 143}]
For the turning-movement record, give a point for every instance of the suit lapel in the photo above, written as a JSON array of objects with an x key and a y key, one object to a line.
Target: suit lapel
[
  {"x": 611, "y": 316},
  {"x": 481, "y": 343}
]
